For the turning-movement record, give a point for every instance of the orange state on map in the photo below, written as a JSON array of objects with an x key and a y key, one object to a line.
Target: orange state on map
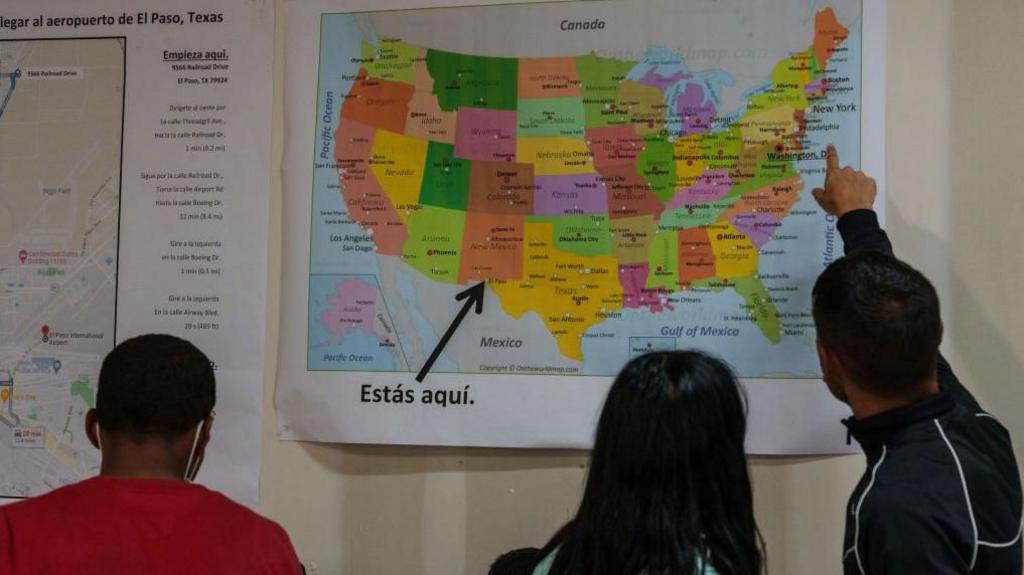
[
  {"x": 828, "y": 35},
  {"x": 367, "y": 203},
  {"x": 759, "y": 213},
  {"x": 492, "y": 248},
  {"x": 426, "y": 119},
  {"x": 696, "y": 258},
  {"x": 548, "y": 78},
  {"x": 379, "y": 103}
]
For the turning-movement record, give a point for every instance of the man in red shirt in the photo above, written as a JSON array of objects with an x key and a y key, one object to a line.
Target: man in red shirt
[{"x": 143, "y": 514}]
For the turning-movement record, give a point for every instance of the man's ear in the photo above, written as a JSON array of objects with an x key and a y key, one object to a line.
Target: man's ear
[
  {"x": 200, "y": 453},
  {"x": 832, "y": 372},
  {"x": 91, "y": 431},
  {"x": 824, "y": 360}
]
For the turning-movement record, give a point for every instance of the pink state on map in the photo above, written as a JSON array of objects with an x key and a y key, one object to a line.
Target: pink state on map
[
  {"x": 352, "y": 307},
  {"x": 482, "y": 134},
  {"x": 662, "y": 83},
  {"x": 817, "y": 88},
  {"x": 759, "y": 227},
  {"x": 569, "y": 195},
  {"x": 697, "y": 113},
  {"x": 635, "y": 294},
  {"x": 710, "y": 186}
]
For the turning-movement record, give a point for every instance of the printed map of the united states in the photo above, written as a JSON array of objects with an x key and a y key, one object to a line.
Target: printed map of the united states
[{"x": 575, "y": 186}]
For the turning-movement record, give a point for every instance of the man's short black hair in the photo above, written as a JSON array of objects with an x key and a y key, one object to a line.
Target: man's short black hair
[
  {"x": 155, "y": 385},
  {"x": 881, "y": 318}
]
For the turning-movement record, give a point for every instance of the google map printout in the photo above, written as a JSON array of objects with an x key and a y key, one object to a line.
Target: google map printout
[
  {"x": 134, "y": 194},
  {"x": 489, "y": 210}
]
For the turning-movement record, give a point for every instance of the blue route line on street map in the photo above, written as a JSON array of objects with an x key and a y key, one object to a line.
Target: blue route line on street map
[{"x": 14, "y": 82}]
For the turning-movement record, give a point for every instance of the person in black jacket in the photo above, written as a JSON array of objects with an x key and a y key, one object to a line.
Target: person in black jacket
[{"x": 941, "y": 493}]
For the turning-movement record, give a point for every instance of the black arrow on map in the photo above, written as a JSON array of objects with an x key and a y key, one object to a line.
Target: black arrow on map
[{"x": 473, "y": 296}]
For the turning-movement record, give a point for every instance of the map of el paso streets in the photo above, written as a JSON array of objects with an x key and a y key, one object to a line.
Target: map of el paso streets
[
  {"x": 61, "y": 114},
  {"x": 612, "y": 201}
]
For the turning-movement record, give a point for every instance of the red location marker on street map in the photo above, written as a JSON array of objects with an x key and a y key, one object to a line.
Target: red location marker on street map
[
  {"x": 45, "y": 330},
  {"x": 5, "y": 394},
  {"x": 23, "y": 255}
]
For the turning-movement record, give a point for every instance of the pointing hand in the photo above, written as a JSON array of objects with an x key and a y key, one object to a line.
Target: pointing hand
[{"x": 845, "y": 189}]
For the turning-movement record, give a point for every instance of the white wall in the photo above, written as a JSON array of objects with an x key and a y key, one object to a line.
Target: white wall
[{"x": 956, "y": 209}]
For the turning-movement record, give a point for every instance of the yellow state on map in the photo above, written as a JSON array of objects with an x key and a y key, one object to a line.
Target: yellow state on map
[
  {"x": 735, "y": 253},
  {"x": 767, "y": 127},
  {"x": 689, "y": 160},
  {"x": 397, "y": 162},
  {"x": 555, "y": 155},
  {"x": 644, "y": 105},
  {"x": 570, "y": 293}
]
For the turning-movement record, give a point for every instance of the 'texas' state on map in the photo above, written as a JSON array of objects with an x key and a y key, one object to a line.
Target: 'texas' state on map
[{"x": 574, "y": 186}]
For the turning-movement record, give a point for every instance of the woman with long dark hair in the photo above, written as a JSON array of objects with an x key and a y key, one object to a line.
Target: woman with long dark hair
[{"x": 668, "y": 491}]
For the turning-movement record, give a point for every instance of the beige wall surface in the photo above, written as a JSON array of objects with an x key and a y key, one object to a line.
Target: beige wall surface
[{"x": 955, "y": 210}]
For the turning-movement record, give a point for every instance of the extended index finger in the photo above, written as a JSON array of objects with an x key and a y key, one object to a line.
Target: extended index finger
[{"x": 831, "y": 158}]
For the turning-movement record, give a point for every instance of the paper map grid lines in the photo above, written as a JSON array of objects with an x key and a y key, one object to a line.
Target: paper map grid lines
[{"x": 60, "y": 207}]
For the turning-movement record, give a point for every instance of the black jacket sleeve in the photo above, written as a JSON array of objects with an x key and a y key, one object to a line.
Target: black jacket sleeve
[{"x": 861, "y": 231}]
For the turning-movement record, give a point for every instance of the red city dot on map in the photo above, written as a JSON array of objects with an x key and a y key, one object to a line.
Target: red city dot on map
[
  {"x": 659, "y": 268},
  {"x": 689, "y": 210},
  {"x": 431, "y": 252},
  {"x": 579, "y": 302},
  {"x": 46, "y": 330},
  {"x": 507, "y": 179},
  {"x": 779, "y": 148},
  {"x": 719, "y": 236},
  {"x": 650, "y": 124}
]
